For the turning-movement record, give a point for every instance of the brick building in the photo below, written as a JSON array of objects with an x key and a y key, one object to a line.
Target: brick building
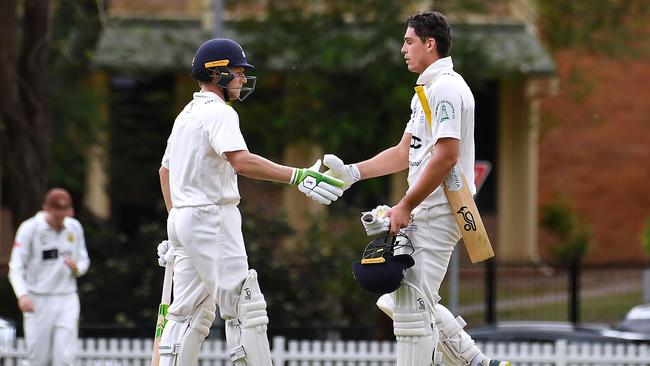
[{"x": 595, "y": 149}]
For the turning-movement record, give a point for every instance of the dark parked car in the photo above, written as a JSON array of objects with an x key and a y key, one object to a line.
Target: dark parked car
[
  {"x": 636, "y": 320},
  {"x": 544, "y": 331}
]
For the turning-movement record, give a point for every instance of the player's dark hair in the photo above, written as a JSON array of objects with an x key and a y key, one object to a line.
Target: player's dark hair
[{"x": 432, "y": 24}]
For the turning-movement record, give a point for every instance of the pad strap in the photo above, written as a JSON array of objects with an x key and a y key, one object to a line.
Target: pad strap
[
  {"x": 454, "y": 341},
  {"x": 246, "y": 335}
]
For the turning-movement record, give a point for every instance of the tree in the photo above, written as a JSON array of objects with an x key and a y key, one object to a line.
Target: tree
[
  {"x": 45, "y": 48},
  {"x": 24, "y": 121}
]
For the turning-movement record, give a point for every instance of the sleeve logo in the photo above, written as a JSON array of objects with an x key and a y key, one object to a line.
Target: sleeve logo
[{"x": 445, "y": 111}]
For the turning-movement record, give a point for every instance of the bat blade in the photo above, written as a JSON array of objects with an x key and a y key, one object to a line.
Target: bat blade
[{"x": 467, "y": 216}]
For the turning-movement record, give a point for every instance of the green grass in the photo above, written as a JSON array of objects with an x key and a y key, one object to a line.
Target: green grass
[
  {"x": 595, "y": 307},
  {"x": 606, "y": 309}
]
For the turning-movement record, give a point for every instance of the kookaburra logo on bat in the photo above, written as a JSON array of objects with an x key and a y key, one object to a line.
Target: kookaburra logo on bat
[{"x": 470, "y": 225}]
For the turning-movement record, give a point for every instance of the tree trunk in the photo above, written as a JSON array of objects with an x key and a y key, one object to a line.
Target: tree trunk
[{"x": 24, "y": 122}]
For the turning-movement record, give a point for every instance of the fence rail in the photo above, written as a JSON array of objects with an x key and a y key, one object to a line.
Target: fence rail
[{"x": 137, "y": 352}]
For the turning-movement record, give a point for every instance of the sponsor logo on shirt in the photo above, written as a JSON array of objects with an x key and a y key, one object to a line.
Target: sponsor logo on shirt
[
  {"x": 71, "y": 237},
  {"x": 50, "y": 254},
  {"x": 416, "y": 142}
]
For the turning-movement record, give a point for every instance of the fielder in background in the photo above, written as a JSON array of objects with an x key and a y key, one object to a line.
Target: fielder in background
[
  {"x": 48, "y": 255},
  {"x": 422, "y": 326},
  {"x": 205, "y": 153}
]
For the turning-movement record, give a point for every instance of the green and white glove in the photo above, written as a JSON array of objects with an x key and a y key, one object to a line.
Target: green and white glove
[
  {"x": 316, "y": 185},
  {"x": 347, "y": 173}
]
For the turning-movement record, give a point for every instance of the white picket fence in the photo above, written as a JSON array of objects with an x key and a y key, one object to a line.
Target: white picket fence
[{"x": 137, "y": 352}]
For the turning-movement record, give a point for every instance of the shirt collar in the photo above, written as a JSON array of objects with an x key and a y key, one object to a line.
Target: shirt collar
[
  {"x": 40, "y": 219},
  {"x": 435, "y": 69},
  {"x": 206, "y": 96}
]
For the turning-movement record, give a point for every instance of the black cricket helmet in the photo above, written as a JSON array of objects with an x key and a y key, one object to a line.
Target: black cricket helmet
[
  {"x": 213, "y": 61},
  {"x": 380, "y": 271}
]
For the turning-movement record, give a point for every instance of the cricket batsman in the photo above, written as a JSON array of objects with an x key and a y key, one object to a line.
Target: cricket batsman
[
  {"x": 205, "y": 153},
  {"x": 425, "y": 330}
]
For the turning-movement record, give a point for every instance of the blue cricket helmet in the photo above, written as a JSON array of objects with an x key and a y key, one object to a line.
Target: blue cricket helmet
[
  {"x": 219, "y": 52},
  {"x": 213, "y": 61},
  {"x": 380, "y": 271}
]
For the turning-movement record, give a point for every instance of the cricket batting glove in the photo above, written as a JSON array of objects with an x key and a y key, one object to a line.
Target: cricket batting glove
[
  {"x": 375, "y": 221},
  {"x": 165, "y": 253},
  {"x": 347, "y": 173},
  {"x": 317, "y": 186}
]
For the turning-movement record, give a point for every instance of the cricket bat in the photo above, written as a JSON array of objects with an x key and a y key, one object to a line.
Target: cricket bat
[
  {"x": 467, "y": 216},
  {"x": 462, "y": 203},
  {"x": 162, "y": 312}
]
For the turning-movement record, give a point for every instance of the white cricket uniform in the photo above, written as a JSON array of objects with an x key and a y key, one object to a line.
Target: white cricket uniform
[
  {"x": 204, "y": 225},
  {"x": 37, "y": 269},
  {"x": 434, "y": 232}
]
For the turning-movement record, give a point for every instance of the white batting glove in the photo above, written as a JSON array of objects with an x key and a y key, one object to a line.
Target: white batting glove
[
  {"x": 349, "y": 173},
  {"x": 165, "y": 253},
  {"x": 375, "y": 221},
  {"x": 316, "y": 185}
]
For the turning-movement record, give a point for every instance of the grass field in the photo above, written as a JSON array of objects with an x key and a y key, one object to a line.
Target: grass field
[{"x": 606, "y": 294}]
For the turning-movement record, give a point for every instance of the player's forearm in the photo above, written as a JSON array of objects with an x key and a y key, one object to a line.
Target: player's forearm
[
  {"x": 83, "y": 264},
  {"x": 256, "y": 167},
  {"x": 389, "y": 161},
  {"x": 164, "y": 187},
  {"x": 18, "y": 281},
  {"x": 386, "y": 162}
]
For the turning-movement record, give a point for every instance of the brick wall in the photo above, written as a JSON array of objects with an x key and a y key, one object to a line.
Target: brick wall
[{"x": 595, "y": 149}]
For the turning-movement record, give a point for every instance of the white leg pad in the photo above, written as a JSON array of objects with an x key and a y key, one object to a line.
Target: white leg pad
[
  {"x": 246, "y": 335},
  {"x": 183, "y": 337},
  {"x": 456, "y": 345},
  {"x": 413, "y": 327}
]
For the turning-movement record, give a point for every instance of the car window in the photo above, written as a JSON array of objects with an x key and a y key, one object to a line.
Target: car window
[{"x": 635, "y": 325}]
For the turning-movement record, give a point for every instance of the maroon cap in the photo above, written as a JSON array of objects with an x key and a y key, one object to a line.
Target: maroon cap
[{"x": 58, "y": 198}]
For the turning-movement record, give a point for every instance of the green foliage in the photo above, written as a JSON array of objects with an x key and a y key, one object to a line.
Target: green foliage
[
  {"x": 572, "y": 233},
  {"x": 77, "y": 124},
  {"x": 645, "y": 237},
  {"x": 74, "y": 111},
  {"x": 122, "y": 286},
  {"x": 614, "y": 28},
  {"x": 308, "y": 281}
]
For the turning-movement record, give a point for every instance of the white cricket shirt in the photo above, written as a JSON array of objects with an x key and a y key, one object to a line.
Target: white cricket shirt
[
  {"x": 199, "y": 173},
  {"x": 37, "y": 258},
  {"x": 452, "y": 114}
]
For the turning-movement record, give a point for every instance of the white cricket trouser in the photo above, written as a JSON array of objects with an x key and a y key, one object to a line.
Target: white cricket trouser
[
  {"x": 434, "y": 233},
  {"x": 51, "y": 330},
  {"x": 209, "y": 258}
]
